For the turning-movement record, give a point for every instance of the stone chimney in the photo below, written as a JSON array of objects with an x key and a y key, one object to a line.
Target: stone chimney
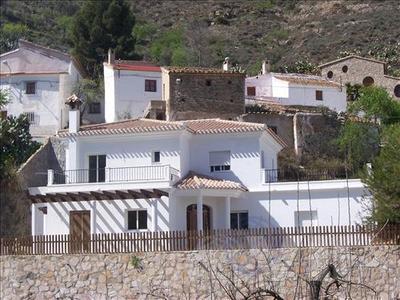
[
  {"x": 226, "y": 66},
  {"x": 74, "y": 104},
  {"x": 111, "y": 56},
  {"x": 266, "y": 67}
]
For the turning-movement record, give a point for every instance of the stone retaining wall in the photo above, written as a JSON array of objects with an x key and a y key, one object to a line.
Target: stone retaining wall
[{"x": 201, "y": 274}]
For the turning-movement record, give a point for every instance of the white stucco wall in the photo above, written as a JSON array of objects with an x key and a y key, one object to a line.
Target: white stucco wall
[{"x": 125, "y": 94}]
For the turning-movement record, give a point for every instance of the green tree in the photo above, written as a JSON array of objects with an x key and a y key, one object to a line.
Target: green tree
[
  {"x": 99, "y": 26},
  {"x": 383, "y": 180},
  {"x": 16, "y": 143},
  {"x": 89, "y": 90},
  {"x": 4, "y": 100},
  {"x": 9, "y": 35}
]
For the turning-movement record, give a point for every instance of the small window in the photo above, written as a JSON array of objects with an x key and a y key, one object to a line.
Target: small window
[
  {"x": 329, "y": 74},
  {"x": 30, "y": 88},
  {"x": 137, "y": 219},
  {"x": 319, "y": 95},
  {"x": 273, "y": 128},
  {"x": 156, "y": 156},
  {"x": 251, "y": 91},
  {"x": 150, "y": 85},
  {"x": 345, "y": 69},
  {"x": 208, "y": 82},
  {"x": 94, "y": 108},
  {"x": 239, "y": 220},
  {"x": 368, "y": 81},
  {"x": 396, "y": 91},
  {"x": 220, "y": 161},
  {"x": 31, "y": 117}
]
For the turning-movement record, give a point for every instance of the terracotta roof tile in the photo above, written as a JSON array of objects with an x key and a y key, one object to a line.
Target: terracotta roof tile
[
  {"x": 201, "y": 70},
  {"x": 136, "y": 65},
  {"x": 210, "y": 126},
  {"x": 194, "y": 181},
  {"x": 306, "y": 79}
]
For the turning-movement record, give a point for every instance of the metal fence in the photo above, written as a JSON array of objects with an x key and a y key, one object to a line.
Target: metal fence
[{"x": 298, "y": 174}]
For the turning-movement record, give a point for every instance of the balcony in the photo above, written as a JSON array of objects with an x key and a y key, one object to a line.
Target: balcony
[
  {"x": 300, "y": 174},
  {"x": 159, "y": 173}
]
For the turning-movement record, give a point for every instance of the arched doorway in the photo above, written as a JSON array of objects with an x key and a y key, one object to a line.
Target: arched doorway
[
  {"x": 191, "y": 217},
  {"x": 368, "y": 81}
]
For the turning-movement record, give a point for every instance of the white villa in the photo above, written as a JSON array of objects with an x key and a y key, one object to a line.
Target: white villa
[
  {"x": 38, "y": 80},
  {"x": 295, "y": 89},
  {"x": 129, "y": 87},
  {"x": 152, "y": 175}
]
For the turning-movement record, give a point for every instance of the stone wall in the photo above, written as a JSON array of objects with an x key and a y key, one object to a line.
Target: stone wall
[
  {"x": 373, "y": 271},
  {"x": 197, "y": 96},
  {"x": 355, "y": 70}
]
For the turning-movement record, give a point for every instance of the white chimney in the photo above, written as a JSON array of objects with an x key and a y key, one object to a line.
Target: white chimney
[
  {"x": 111, "y": 57},
  {"x": 225, "y": 65},
  {"x": 266, "y": 67},
  {"x": 74, "y": 104}
]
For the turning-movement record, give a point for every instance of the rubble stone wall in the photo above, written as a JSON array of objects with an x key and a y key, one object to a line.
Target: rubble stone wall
[{"x": 374, "y": 273}]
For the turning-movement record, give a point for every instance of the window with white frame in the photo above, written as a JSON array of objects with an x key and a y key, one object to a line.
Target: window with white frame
[
  {"x": 137, "y": 219},
  {"x": 306, "y": 218},
  {"x": 97, "y": 168},
  {"x": 220, "y": 161},
  {"x": 240, "y": 220},
  {"x": 30, "y": 87},
  {"x": 156, "y": 157}
]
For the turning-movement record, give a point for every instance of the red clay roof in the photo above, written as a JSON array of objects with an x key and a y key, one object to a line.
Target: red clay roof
[
  {"x": 136, "y": 65},
  {"x": 202, "y": 126},
  {"x": 201, "y": 70},
  {"x": 194, "y": 181}
]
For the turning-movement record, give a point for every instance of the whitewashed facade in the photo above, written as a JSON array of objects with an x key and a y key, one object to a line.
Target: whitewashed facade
[
  {"x": 296, "y": 89},
  {"x": 129, "y": 86},
  {"x": 38, "y": 81},
  {"x": 150, "y": 175}
]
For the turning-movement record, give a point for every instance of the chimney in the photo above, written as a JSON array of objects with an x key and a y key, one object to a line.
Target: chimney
[
  {"x": 225, "y": 65},
  {"x": 266, "y": 67},
  {"x": 74, "y": 104},
  {"x": 111, "y": 56}
]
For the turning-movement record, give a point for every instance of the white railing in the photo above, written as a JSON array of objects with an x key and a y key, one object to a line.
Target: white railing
[{"x": 110, "y": 175}]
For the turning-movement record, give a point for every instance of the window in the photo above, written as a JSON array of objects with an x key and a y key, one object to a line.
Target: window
[
  {"x": 306, "y": 218},
  {"x": 273, "y": 128},
  {"x": 150, "y": 85},
  {"x": 31, "y": 117},
  {"x": 30, "y": 88},
  {"x": 137, "y": 219},
  {"x": 156, "y": 157},
  {"x": 368, "y": 81},
  {"x": 97, "y": 168},
  {"x": 220, "y": 161},
  {"x": 329, "y": 74},
  {"x": 239, "y": 220},
  {"x": 345, "y": 69},
  {"x": 208, "y": 82},
  {"x": 94, "y": 108},
  {"x": 251, "y": 91},
  {"x": 397, "y": 91},
  {"x": 319, "y": 95}
]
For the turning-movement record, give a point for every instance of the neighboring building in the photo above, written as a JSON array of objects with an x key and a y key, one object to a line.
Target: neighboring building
[
  {"x": 129, "y": 87},
  {"x": 355, "y": 69},
  {"x": 296, "y": 89},
  {"x": 38, "y": 81},
  {"x": 195, "y": 93},
  {"x": 152, "y": 175}
]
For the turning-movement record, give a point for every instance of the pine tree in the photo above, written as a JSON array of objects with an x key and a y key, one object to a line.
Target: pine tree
[{"x": 99, "y": 26}]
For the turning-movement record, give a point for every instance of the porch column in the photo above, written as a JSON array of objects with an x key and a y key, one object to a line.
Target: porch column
[
  {"x": 34, "y": 216},
  {"x": 200, "y": 212},
  {"x": 227, "y": 212}
]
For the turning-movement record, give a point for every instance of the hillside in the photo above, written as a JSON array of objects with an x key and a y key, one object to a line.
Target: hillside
[{"x": 204, "y": 32}]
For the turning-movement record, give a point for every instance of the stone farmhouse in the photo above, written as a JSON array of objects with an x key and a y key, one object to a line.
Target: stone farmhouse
[
  {"x": 355, "y": 69},
  {"x": 151, "y": 175},
  {"x": 38, "y": 81}
]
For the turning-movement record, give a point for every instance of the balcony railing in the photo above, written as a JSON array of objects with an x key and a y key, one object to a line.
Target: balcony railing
[
  {"x": 290, "y": 175},
  {"x": 109, "y": 175}
]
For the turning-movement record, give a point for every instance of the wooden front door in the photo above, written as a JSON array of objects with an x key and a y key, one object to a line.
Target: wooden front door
[
  {"x": 191, "y": 217},
  {"x": 79, "y": 230}
]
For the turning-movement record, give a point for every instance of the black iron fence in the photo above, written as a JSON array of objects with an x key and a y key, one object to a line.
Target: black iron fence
[{"x": 300, "y": 174}]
